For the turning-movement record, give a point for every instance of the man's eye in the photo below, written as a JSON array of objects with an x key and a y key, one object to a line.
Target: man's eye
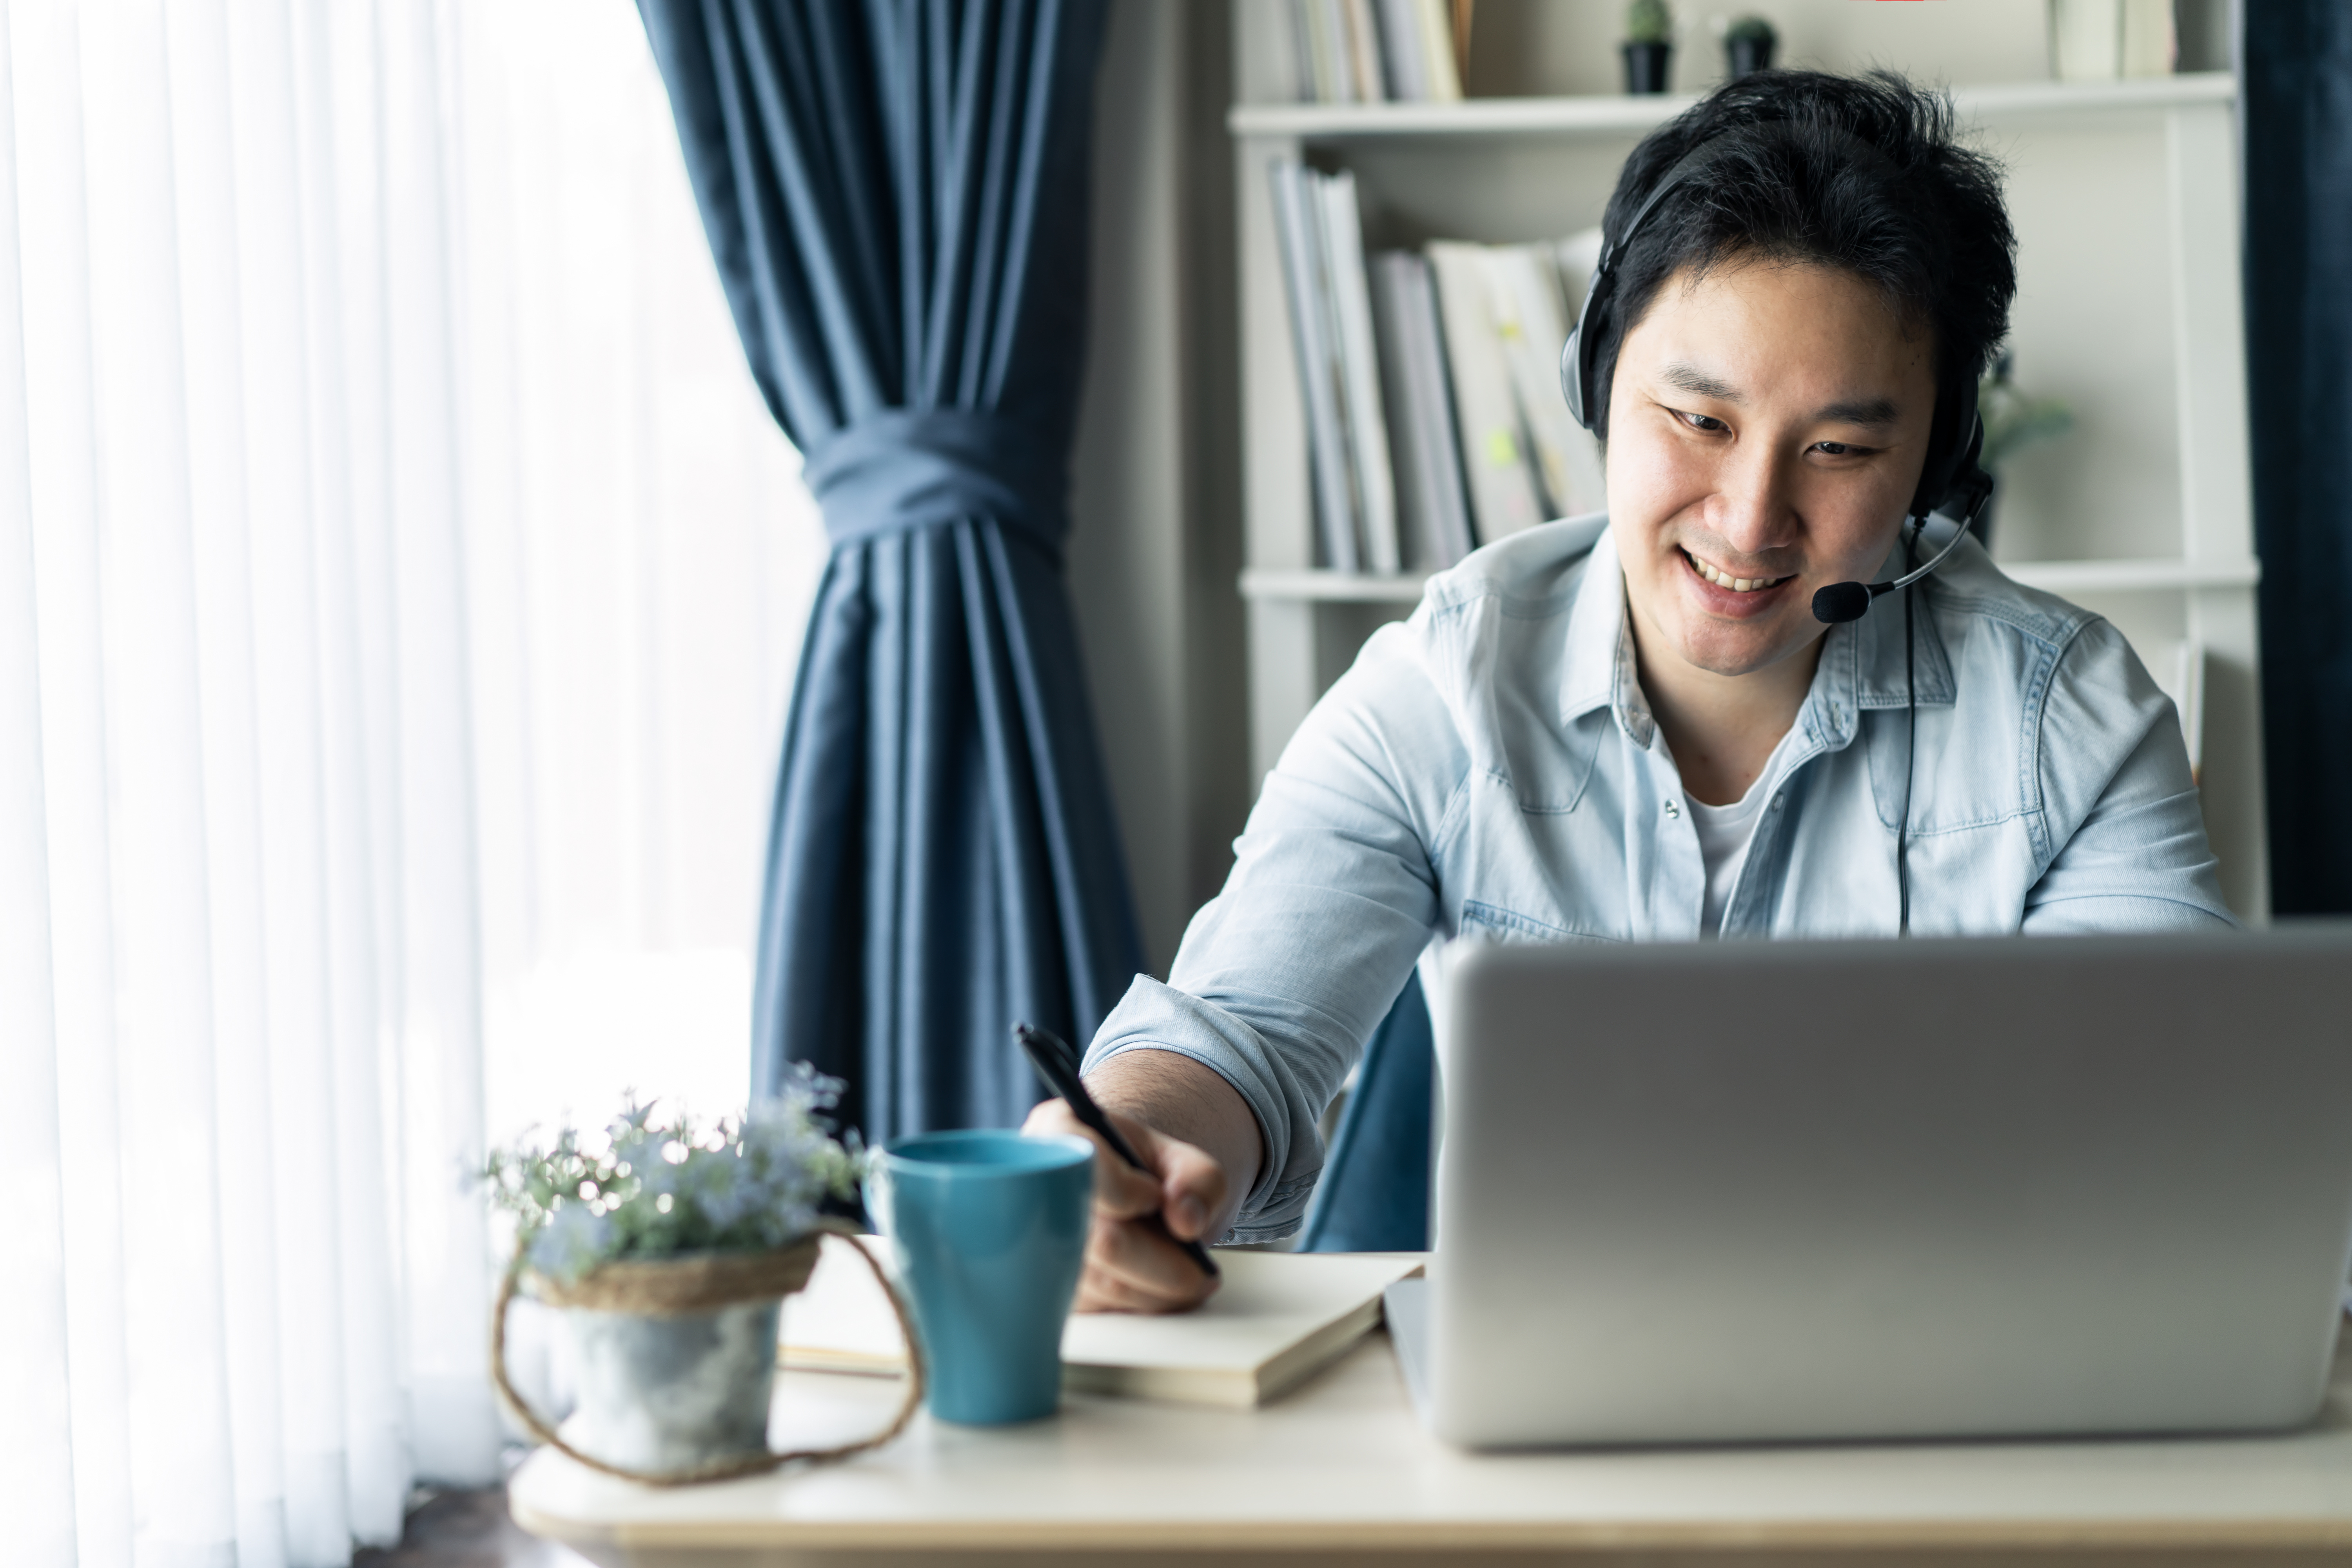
[
  {"x": 1840, "y": 449},
  {"x": 1706, "y": 422}
]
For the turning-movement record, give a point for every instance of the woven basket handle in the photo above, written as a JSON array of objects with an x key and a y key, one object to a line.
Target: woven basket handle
[{"x": 718, "y": 1469}]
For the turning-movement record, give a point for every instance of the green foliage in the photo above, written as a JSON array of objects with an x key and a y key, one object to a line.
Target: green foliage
[
  {"x": 1750, "y": 29},
  {"x": 1649, "y": 22},
  {"x": 659, "y": 1187},
  {"x": 2013, "y": 421}
]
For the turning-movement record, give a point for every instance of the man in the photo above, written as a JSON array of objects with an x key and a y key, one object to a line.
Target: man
[{"x": 1635, "y": 728}]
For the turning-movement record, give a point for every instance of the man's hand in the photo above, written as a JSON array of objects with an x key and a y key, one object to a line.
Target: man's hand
[
  {"x": 1132, "y": 1267},
  {"x": 1158, "y": 1099}
]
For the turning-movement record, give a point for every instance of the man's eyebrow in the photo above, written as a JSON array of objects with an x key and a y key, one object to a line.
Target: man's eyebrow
[
  {"x": 1690, "y": 378},
  {"x": 1877, "y": 413}
]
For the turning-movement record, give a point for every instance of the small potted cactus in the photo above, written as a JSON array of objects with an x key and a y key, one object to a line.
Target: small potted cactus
[
  {"x": 1649, "y": 46},
  {"x": 1748, "y": 45}
]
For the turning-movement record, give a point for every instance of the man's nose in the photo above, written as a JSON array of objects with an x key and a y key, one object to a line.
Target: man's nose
[{"x": 1752, "y": 497}]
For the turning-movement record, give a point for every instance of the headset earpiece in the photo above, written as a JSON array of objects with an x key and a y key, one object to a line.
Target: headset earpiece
[
  {"x": 1572, "y": 381},
  {"x": 1954, "y": 442},
  {"x": 1576, "y": 372}
]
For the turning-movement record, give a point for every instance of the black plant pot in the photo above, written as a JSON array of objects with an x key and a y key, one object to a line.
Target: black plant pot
[
  {"x": 1645, "y": 67},
  {"x": 1745, "y": 57}
]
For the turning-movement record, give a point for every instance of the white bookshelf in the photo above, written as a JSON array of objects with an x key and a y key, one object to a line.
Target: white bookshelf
[
  {"x": 2126, "y": 201},
  {"x": 1990, "y": 105}
]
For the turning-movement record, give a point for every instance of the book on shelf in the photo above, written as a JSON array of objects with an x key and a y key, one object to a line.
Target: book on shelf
[
  {"x": 1500, "y": 478},
  {"x": 1324, "y": 75},
  {"x": 1433, "y": 512},
  {"x": 1320, "y": 232},
  {"x": 1529, "y": 303},
  {"x": 1430, "y": 382},
  {"x": 1374, "y": 51},
  {"x": 1366, "y": 424},
  {"x": 1313, "y": 339},
  {"x": 1364, "y": 52}
]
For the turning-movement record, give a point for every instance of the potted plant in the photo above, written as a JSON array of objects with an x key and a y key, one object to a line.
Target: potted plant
[
  {"x": 666, "y": 1248},
  {"x": 1748, "y": 45},
  {"x": 1649, "y": 45},
  {"x": 2014, "y": 420}
]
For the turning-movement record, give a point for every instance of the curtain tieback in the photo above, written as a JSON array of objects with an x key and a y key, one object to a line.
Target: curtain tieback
[{"x": 903, "y": 468}]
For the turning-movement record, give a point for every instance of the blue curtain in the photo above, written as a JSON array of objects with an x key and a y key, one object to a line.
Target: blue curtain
[
  {"x": 896, "y": 194},
  {"x": 2297, "y": 85}
]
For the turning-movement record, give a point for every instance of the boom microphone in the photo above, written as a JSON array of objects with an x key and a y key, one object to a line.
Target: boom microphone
[{"x": 1839, "y": 602}]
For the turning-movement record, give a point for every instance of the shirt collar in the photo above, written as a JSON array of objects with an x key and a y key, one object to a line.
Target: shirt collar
[
  {"x": 1600, "y": 668},
  {"x": 1878, "y": 660},
  {"x": 1861, "y": 668}
]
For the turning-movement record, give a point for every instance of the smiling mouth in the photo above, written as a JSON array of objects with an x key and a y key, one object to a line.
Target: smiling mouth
[{"x": 1726, "y": 580}]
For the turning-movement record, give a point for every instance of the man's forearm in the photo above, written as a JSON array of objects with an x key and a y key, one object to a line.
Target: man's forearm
[{"x": 1176, "y": 1095}]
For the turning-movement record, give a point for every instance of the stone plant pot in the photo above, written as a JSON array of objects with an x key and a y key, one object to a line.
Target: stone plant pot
[
  {"x": 673, "y": 1393},
  {"x": 1645, "y": 66},
  {"x": 677, "y": 1362}
]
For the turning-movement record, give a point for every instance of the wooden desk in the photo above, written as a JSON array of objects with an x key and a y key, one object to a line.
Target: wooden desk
[{"x": 1340, "y": 1472}]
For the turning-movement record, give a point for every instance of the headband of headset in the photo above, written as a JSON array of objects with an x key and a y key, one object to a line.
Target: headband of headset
[{"x": 1950, "y": 481}]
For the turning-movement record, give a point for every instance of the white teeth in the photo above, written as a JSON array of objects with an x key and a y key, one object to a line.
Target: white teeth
[{"x": 1724, "y": 580}]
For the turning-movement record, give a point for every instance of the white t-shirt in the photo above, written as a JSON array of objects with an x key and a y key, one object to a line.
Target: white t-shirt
[{"x": 1725, "y": 832}]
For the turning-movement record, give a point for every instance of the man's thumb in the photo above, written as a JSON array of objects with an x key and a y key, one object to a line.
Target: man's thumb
[{"x": 1192, "y": 1187}]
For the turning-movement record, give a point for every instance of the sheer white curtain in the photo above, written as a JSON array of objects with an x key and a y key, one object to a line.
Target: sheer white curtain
[
  {"x": 641, "y": 555},
  {"x": 398, "y": 585}
]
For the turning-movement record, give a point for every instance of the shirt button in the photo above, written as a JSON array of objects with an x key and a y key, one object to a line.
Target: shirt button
[
  {"x": 1779, "y": 800},
  {"x": 1674, "y": 809}
]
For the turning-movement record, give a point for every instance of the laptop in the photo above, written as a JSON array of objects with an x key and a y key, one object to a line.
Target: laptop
[{"x": 1797, "y": 1190}]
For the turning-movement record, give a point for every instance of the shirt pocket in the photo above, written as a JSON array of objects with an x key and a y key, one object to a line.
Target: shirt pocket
[{"x": 1498, "y": 925}]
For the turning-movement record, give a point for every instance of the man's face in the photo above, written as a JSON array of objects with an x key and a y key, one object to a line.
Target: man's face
[{"x": 1767, "y": 425}]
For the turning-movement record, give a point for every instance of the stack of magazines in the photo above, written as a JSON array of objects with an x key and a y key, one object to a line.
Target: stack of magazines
[
  {"x": 1373, "y": 51},
  {"x": 1431, "y": 382}
]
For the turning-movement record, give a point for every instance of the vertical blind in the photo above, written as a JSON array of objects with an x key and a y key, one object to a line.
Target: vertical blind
[{"x": 399, "y": 579}]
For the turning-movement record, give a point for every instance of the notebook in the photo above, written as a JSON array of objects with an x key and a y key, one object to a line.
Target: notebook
[{"x": 1278, "y": 1319}]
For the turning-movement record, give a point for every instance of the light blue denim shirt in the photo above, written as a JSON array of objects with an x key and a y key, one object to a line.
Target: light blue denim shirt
[{"x": 1489, "y": 767}]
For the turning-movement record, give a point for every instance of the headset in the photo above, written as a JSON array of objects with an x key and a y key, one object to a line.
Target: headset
[{"x": 1952, "y": 481}]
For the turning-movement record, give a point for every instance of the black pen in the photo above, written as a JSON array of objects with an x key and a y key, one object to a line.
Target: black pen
[{"x": 1057, "y": 1064}]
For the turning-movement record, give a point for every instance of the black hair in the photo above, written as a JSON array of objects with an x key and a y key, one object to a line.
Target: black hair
[{"x": 1782, "y": 181}]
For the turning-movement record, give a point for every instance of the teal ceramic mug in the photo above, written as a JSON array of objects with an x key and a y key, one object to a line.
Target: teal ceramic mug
[{"x": 989, "y": 1231}]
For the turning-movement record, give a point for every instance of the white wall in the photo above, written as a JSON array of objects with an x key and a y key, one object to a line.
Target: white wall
[{"x": 1155, "y": 548}]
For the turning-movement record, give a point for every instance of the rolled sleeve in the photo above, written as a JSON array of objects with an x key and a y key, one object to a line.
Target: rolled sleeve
[{"x": 1156, "y": 1017}]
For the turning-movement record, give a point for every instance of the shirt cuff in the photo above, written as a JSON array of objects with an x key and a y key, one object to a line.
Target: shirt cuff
[{"x": 1153, "y": 1016}]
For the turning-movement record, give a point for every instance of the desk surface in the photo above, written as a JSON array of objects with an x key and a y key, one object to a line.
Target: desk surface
[{"x": 1340, "y": 1468}]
